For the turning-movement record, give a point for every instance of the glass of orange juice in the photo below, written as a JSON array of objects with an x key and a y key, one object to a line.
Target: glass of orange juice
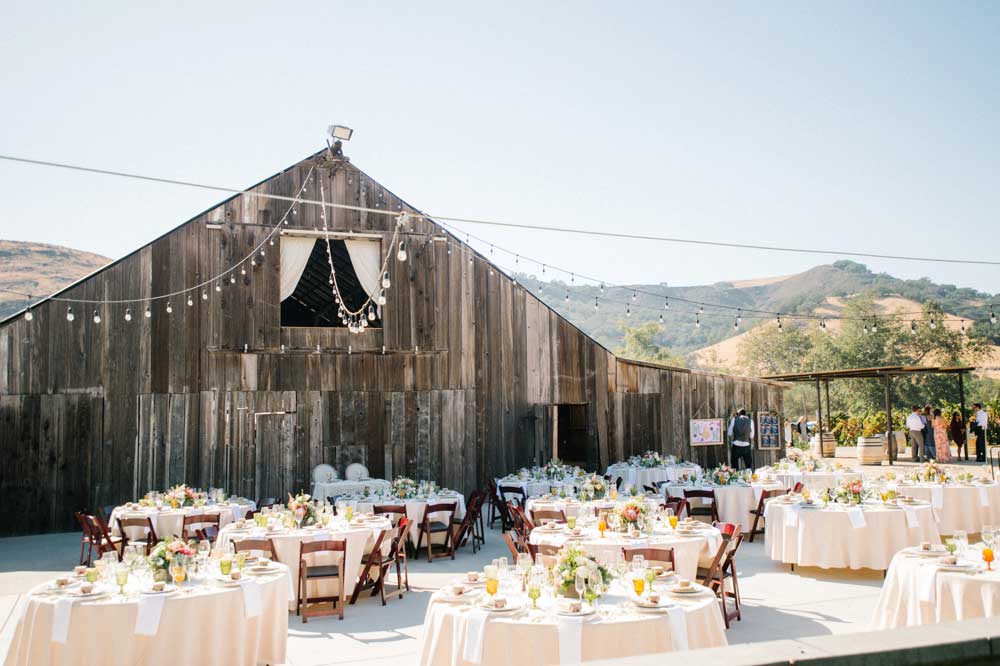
[
  {"x": 988, "y": 558},
  {"x": 492, "y": 579},
  {"x": 614, "y": 493},
  {"x": 178, "y": 573},
  {"x": 638, "y": 583},
  {"x": 602, "y": 525},
  {"x": 673, "y": 522}
]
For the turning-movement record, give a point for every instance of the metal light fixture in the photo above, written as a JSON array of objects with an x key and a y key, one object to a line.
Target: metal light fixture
[{"x": 340, "y": 132}]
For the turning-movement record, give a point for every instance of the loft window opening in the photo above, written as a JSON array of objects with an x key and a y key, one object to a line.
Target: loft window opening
[{"x": 306, "y": 293}]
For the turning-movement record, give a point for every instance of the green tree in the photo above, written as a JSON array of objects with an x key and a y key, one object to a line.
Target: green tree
[{"x": 640, "y": 344}]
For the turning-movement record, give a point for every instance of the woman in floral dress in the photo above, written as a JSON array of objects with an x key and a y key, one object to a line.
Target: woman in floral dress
[{"x": 941, "y": 442}]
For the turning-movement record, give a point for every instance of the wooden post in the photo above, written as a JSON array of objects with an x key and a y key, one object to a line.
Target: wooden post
[
  {"x": 826, "y": 388},
  {"x": 888, "y": 417},
  {"x": 961, "y": 406},
  {"x": 819, "y": 418}
]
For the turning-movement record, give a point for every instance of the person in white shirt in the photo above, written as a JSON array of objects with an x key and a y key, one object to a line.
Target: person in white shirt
[
  {"x": 979, "y": 425},
  {"x": 741, "y": 433},
  {"x": 915, "y": 425}
]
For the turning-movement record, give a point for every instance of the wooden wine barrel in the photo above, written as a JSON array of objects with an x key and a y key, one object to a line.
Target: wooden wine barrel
[
  {"x": 829, "y": 448},
  {"x": 870, "y": 450}
]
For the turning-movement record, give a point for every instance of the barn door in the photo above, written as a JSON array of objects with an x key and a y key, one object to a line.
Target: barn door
[
  {"x": 166, "y": 448},
  {"x": 545, "y": 433}
]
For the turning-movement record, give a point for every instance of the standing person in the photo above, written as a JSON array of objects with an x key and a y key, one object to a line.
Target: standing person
[
  {"x": 915, "y": 425},
  {"x": 982, "y": 421},
  {"x": 957, "y": 428},
  {"x": 802, "y": 427},
  {"x": 930, "y": 452},
  {"x": 941, "y": 438},
  {"x": 741, "y": 433}
]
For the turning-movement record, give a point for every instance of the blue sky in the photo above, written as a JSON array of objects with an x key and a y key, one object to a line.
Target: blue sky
[{"x": 847, "y": 125}]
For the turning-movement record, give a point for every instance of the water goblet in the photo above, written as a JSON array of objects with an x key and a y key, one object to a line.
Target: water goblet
[
  {"x": 988, "y": 535},
  {"x": 580, "y": 582},
  {"x": 121, "y": 577}
]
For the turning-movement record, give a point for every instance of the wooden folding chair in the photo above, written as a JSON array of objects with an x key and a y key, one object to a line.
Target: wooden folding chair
[
  {"x": 267, "y": 501},
  {"x": 495, "y": 503},
  {"x": 316, "y": 572},
  {"x": 758, "y": 513},
  {"x": 265, "y": 546},
  {"x": 714, "y": 577},
  {"x": 657, "y": 555},
  {"x": 201, "y": 520},
  {"x": 510, "y": 538},
  {"x": 144, "y": 523},
  {"x": 85, "y": 538},
  {"x": 711, "y": 511},
  {"x": 394, "y": 512},
  {"x": 100, "y": 540},
  {"x": 676, "y": 504},
  {"x": 443, "y": 525},
  {"x": 542, "y": 516},
  {"x": 797, "y": 488},
  {"x": 465, "y": 526}
]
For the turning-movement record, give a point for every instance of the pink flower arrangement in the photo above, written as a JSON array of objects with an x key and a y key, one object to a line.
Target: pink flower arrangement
[{"x": 857, "y": 487}]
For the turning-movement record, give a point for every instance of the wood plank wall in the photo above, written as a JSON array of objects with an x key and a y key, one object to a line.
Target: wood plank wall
[{"x": 94, "y": 414}]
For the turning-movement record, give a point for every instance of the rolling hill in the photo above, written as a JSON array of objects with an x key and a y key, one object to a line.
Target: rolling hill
[{"x": 39, "y": 269}]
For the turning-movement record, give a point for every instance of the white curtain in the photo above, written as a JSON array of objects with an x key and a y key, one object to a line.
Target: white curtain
[
  {"x": 366, "y": 255},
  {"x": 294, "y": 257}
]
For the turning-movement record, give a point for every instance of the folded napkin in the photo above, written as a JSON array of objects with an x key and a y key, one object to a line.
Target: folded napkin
[
  {"x": 984, "y": 496},
  {"x": 856, "y": 516},
  {"x": 570, "y": 640},
  {"x": 928, "y": 581},
  {"x": 678, "y": 628},
  {"x": 937, "y": 496},
  {"x": 792, "y": 515},
  {"x": 147, "y": 619},
  {"x": 321, "y": 536},
  {"x": 475, "y": 624},
  {"x": 911, "y": 516},
  {"x": 60, "y": 620},
  {"x": 251, "y": 597}
]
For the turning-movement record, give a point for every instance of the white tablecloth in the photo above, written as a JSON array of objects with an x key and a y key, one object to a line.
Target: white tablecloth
[
  {"x": 958, "y": 507},
  {"x": 916, "y": 592},
  {"x": 360, "y": 538},
  {"x": 734, "y": 501},
  {"x": 637, "y": 477},
  {"x": 814, "y": 480},
  {"x": 323, "y": 490},
  {"x": 415, "y": 511},
  {"x": 542, "y": 638},
  {"x": 826, "y": 538},
  {"x": 533, "y": 487},
  {"x": 207, "y": 626},
  {"x": 169, "y": 522},
  {"x": 689, "y": 551},
  {"x": 570, "y": 507}
]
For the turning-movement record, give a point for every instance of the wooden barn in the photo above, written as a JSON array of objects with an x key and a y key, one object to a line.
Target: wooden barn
[{"x": 462, "y": 375}]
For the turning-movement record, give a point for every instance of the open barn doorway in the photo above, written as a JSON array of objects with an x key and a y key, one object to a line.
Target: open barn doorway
[{"x": 571, "y": 435}]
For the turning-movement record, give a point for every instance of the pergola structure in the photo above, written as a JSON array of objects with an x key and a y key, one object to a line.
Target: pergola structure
[{"x": 886, "y": 373}]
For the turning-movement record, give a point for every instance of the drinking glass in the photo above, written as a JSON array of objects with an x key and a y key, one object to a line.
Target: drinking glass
[
  {"x": 988, "y": 558},
  {"x": 638, "y": 563},
  {"x": 490, "y": 572},
  {"x": 178, "y": 573},
  {"x": 225, "y": 566},
  {"x": 638, "y": 583},
  {"x": 988, "y": 535},
  {"x": 673, "y": 521},
  {"x": 524, "y": 566},
  {"x": 535, "y": 581},
  {"x": 501, "y": 567},
  {"x": 962, "y": 539},
  {"x": 240, "y": 559},
  {"x": 93, "y": 574},
  {"x": 602, "y": 525},
  {"x": 650, "y": 577},
  {"x": 580, "y": 583},
  {"x": 121, "y": 577},
  {"x": 950, "y": 546},
  {"x": 571, "y": 522}
]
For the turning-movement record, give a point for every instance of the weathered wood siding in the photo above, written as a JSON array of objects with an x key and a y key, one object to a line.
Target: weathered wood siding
[{"x": 94, "y": 414}]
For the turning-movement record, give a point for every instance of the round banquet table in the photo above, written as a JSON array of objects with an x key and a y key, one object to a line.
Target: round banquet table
[
  {"x": 169, "y": 522},
  {"x": 533, "y": 487},
  {"x": 206, "y": 625},
  {"x": 813, "y": 480},
  {"x": 958, "y": 506},
  {"x": 457, "y": 634},
  {"x": 325, "y": 489},
  {"x": 827, "y": 538},
  {"x": 571, "y": 508},
  {"x": 734, "y": 501},
  {"x": 918, "y": 591},
  {"x": 415, "y": 511},
  {"x": 689, "y": 550},
  {"x": 637, "y": 477},
  {"x": 360, "y": 536}
]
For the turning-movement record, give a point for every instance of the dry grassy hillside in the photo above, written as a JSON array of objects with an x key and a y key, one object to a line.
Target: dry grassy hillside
[{"x": 39, "y": 269}]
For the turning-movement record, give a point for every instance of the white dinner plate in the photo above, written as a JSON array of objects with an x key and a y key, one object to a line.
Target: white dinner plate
[
  {"x": 585, "y": 610},
  {"x": 510, "y": 607},
  {"x": 167, "y": 589},
  {"x": 691, "y": 590}
]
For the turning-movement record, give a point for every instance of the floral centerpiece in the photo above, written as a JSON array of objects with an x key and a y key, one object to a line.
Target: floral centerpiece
[
  {"x": 651, "y": 459},
  {"x": 404, "y": 487},
  {"x": 631, "y": 512},
  {"x": 302, "y": 508},
  {"x": 850, "y": 492},
  {"x": 724, "y": 475},
  {"x": 181, "y": 495},
  {"x": 164, "y": 553},
  {"x": 554, "y": 469},
  {"x": 931, "y": 472},
  {"x": 595, "y": 487},
  {"x": 571, "y": 559}
]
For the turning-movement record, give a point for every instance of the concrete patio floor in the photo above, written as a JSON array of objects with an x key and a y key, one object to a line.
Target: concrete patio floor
[{"x": 777, "y": 603}]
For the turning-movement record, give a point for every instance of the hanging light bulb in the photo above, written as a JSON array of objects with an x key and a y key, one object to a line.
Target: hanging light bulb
[
  {"x": 271, "y": 241},
  {"x": 28, "y": 316},
  {"x": 169, "y": 308},
  {"x": 666, "y": 304},
  {"x": 963, "y": 327},
  {"x": 572, "y": 278},
  {"x": 739, "y": 316},
  {"x": 69, "y": 314},
  {"x": 190, "y": 301},
  {"x": 402, "y": 219},
  {"x": 634, "y": 296},
  {"x": 780, "y": 328},
  {"x": 701, "y": 309},
  {"x": 253, "y": 262},
  {"x": 822, "y": 325},
  {"x": 932, "y": 323},
  {"x": 913, "y": 327},
  {"x": 602, "y": 288},
  {"x": 148, "y": 313},
  {"x": 204, "y": 294},
  {"x": 697, "y": 321},
  {"x": 447, "y": 247},
  {"x": 517, "y": 259},
  {"x": 543, "y": 269},
  {"x": 401, "y": 255},
  {"x": 218, "y": 285},
  {"x": 539, "y": 287},
  {"x": 371, "y": 313},
  {"x": 661, "y": 319},
  {"x": 993, "y": 317},
  {"x": 866, "y": 327},
  {"x": 470, "y": 258},
  {"x": 232, "y": 278},
  {"x": 386, "y": 283},
  {"x": 596, "y": 306},
  {"x": 128, "y": 314},
  {"x": 736, "y": 323},
  {"x": 491, "y": 249},
  {"x": 381, "y": 298},
  {"x": 628, "y": 311},
  {"x": 567, "y": 296},
  {"x": 97, "y": 317},
  {"x": 243, "y": 270},
  {"x": 874, "y": 325}
]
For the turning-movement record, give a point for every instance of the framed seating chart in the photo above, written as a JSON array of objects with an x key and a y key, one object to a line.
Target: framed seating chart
[{"x": 768, "y": 430}]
